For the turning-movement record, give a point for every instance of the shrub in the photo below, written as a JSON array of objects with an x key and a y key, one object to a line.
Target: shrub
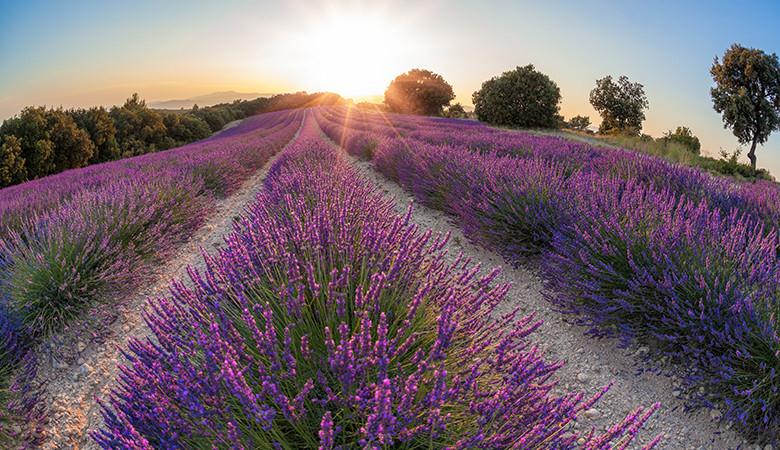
[{"x": 683, "y": 136}]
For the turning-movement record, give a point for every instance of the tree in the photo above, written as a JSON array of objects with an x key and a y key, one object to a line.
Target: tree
[
  {"x": 139, "y": 129},
  {"x": 72, "y": 146},
  {"x": 456, "y": 111},
  {"x": 523, "y": 97},
  {"x": 184, "y": 128},
  {"x": 102, "y": 132},
  {"x": 579, "y": 123},
  {"x": 747, "y": 94},
  {"x": 683, "y": 136},
  {"x": 32, "y": 129},
  {"x": 419, "y": 91},
  {"x": 12, "y": 168},
  {"x": 621, "y": 105}
]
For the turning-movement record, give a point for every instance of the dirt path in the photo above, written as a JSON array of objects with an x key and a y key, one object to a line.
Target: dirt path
[
  {"x": 590, "y": 363},
  {"x": 71, "y": 388}
]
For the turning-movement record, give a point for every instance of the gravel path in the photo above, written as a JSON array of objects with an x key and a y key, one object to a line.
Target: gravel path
[
  {"x": 590, "y": 363},
  {"x": 76, "y": 369}
]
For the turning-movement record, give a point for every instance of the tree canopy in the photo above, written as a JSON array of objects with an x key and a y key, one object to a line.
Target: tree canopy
[
  {"x": 621, "y": 105},
  {"x": 747, "y": 94},
  {"x": 579, "y": 123},
  {"x": 419, "y": 91},
  {"x": 523, "y": 97}
]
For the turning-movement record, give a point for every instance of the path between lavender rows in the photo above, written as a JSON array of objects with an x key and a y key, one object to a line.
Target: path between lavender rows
[
  {"x": 590, "y": 363},
  {"x": 71, "y": 389}
]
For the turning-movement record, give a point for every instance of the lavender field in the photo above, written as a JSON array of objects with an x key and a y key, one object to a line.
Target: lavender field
[
  {"x": 629, "y": 245},
  {"x": 389, "y": 225},
  {"x": 328, "y": 320}
]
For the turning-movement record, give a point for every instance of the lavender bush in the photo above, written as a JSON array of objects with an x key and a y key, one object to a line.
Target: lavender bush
[
  {"x": 632, "y": 245},
  {"x": 701, "y": 286},
  {"x": 21, "y": 413},
  {"x": 330, "y": 322}
]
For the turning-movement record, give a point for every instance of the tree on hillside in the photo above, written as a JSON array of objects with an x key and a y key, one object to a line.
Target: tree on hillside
[
  {"x": 579, "y": 123},
  {"x": 32, "y": 129},
  {"x": 98, "y": 124},
  {"x": 138, "y": 129},
  {"x": 621, "y": 105},
  {"x": 683, "y": 136},
  {"x": 72, "y": 146},
  {"x": 747, "y": 94},
  {"x": 419, "y": 91},
  {"x": 183, "y": 128},
  {"x": 523, "y": 97},
  {"x": 12, "y": 169},
  {"x": 49, "y": 141}
]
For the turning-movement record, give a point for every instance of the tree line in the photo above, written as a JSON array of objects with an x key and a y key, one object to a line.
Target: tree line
[
  {"x": 746, "y": 93},
  {"x": 41, "y": 141}
]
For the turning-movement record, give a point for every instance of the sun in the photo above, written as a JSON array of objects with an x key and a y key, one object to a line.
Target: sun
[{"x": 353, "y": 53}]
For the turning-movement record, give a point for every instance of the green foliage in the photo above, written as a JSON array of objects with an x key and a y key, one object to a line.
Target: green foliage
[
  {"x": 139, "y": 129},
  {"x": 98, "y": 124},
  {"x": 729, "y": 164},
  {"x": 73, "y": 147},
  {"x": 31, "y": 128},
  {"x": 12, "y": 168},
  {"x": 621, "y": 105},
  {"x": 183, "y": 128},
  {"x": 456, "y": 111},
  {"x": 523, "y": 97},
  {"x": 747, "y": 94},
  {"x": 579, "y": 123},
  {"x": 683, "y": 136},
  {"x": 419, "y": 91}
]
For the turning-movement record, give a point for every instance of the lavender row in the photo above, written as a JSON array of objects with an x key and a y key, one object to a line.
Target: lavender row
[
  {"x": 70, "y": 239},
  {"x": 330, "y": 322},
  {"x": 760, "y": 198},
  {"x": 647, "y": 255}
]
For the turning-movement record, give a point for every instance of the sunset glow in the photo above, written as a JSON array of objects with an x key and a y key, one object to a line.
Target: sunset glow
[
  {"x": 357, "y": 54},
  {"x": 353, "y": 52}
]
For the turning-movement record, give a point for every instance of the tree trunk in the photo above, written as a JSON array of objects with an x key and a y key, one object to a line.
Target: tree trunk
[{"x": 752, "y": 154}]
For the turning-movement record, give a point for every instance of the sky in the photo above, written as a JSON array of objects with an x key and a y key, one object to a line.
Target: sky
[{"x": 83, "y": 53}]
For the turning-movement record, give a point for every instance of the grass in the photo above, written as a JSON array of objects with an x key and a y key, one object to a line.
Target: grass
[{"x": 726, "y": 165}]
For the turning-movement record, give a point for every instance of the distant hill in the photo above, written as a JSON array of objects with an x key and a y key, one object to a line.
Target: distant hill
[{"x": 206, "y": 100}]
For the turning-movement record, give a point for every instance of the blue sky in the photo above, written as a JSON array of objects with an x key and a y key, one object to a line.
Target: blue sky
[{"x": 79, "y": 53}]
